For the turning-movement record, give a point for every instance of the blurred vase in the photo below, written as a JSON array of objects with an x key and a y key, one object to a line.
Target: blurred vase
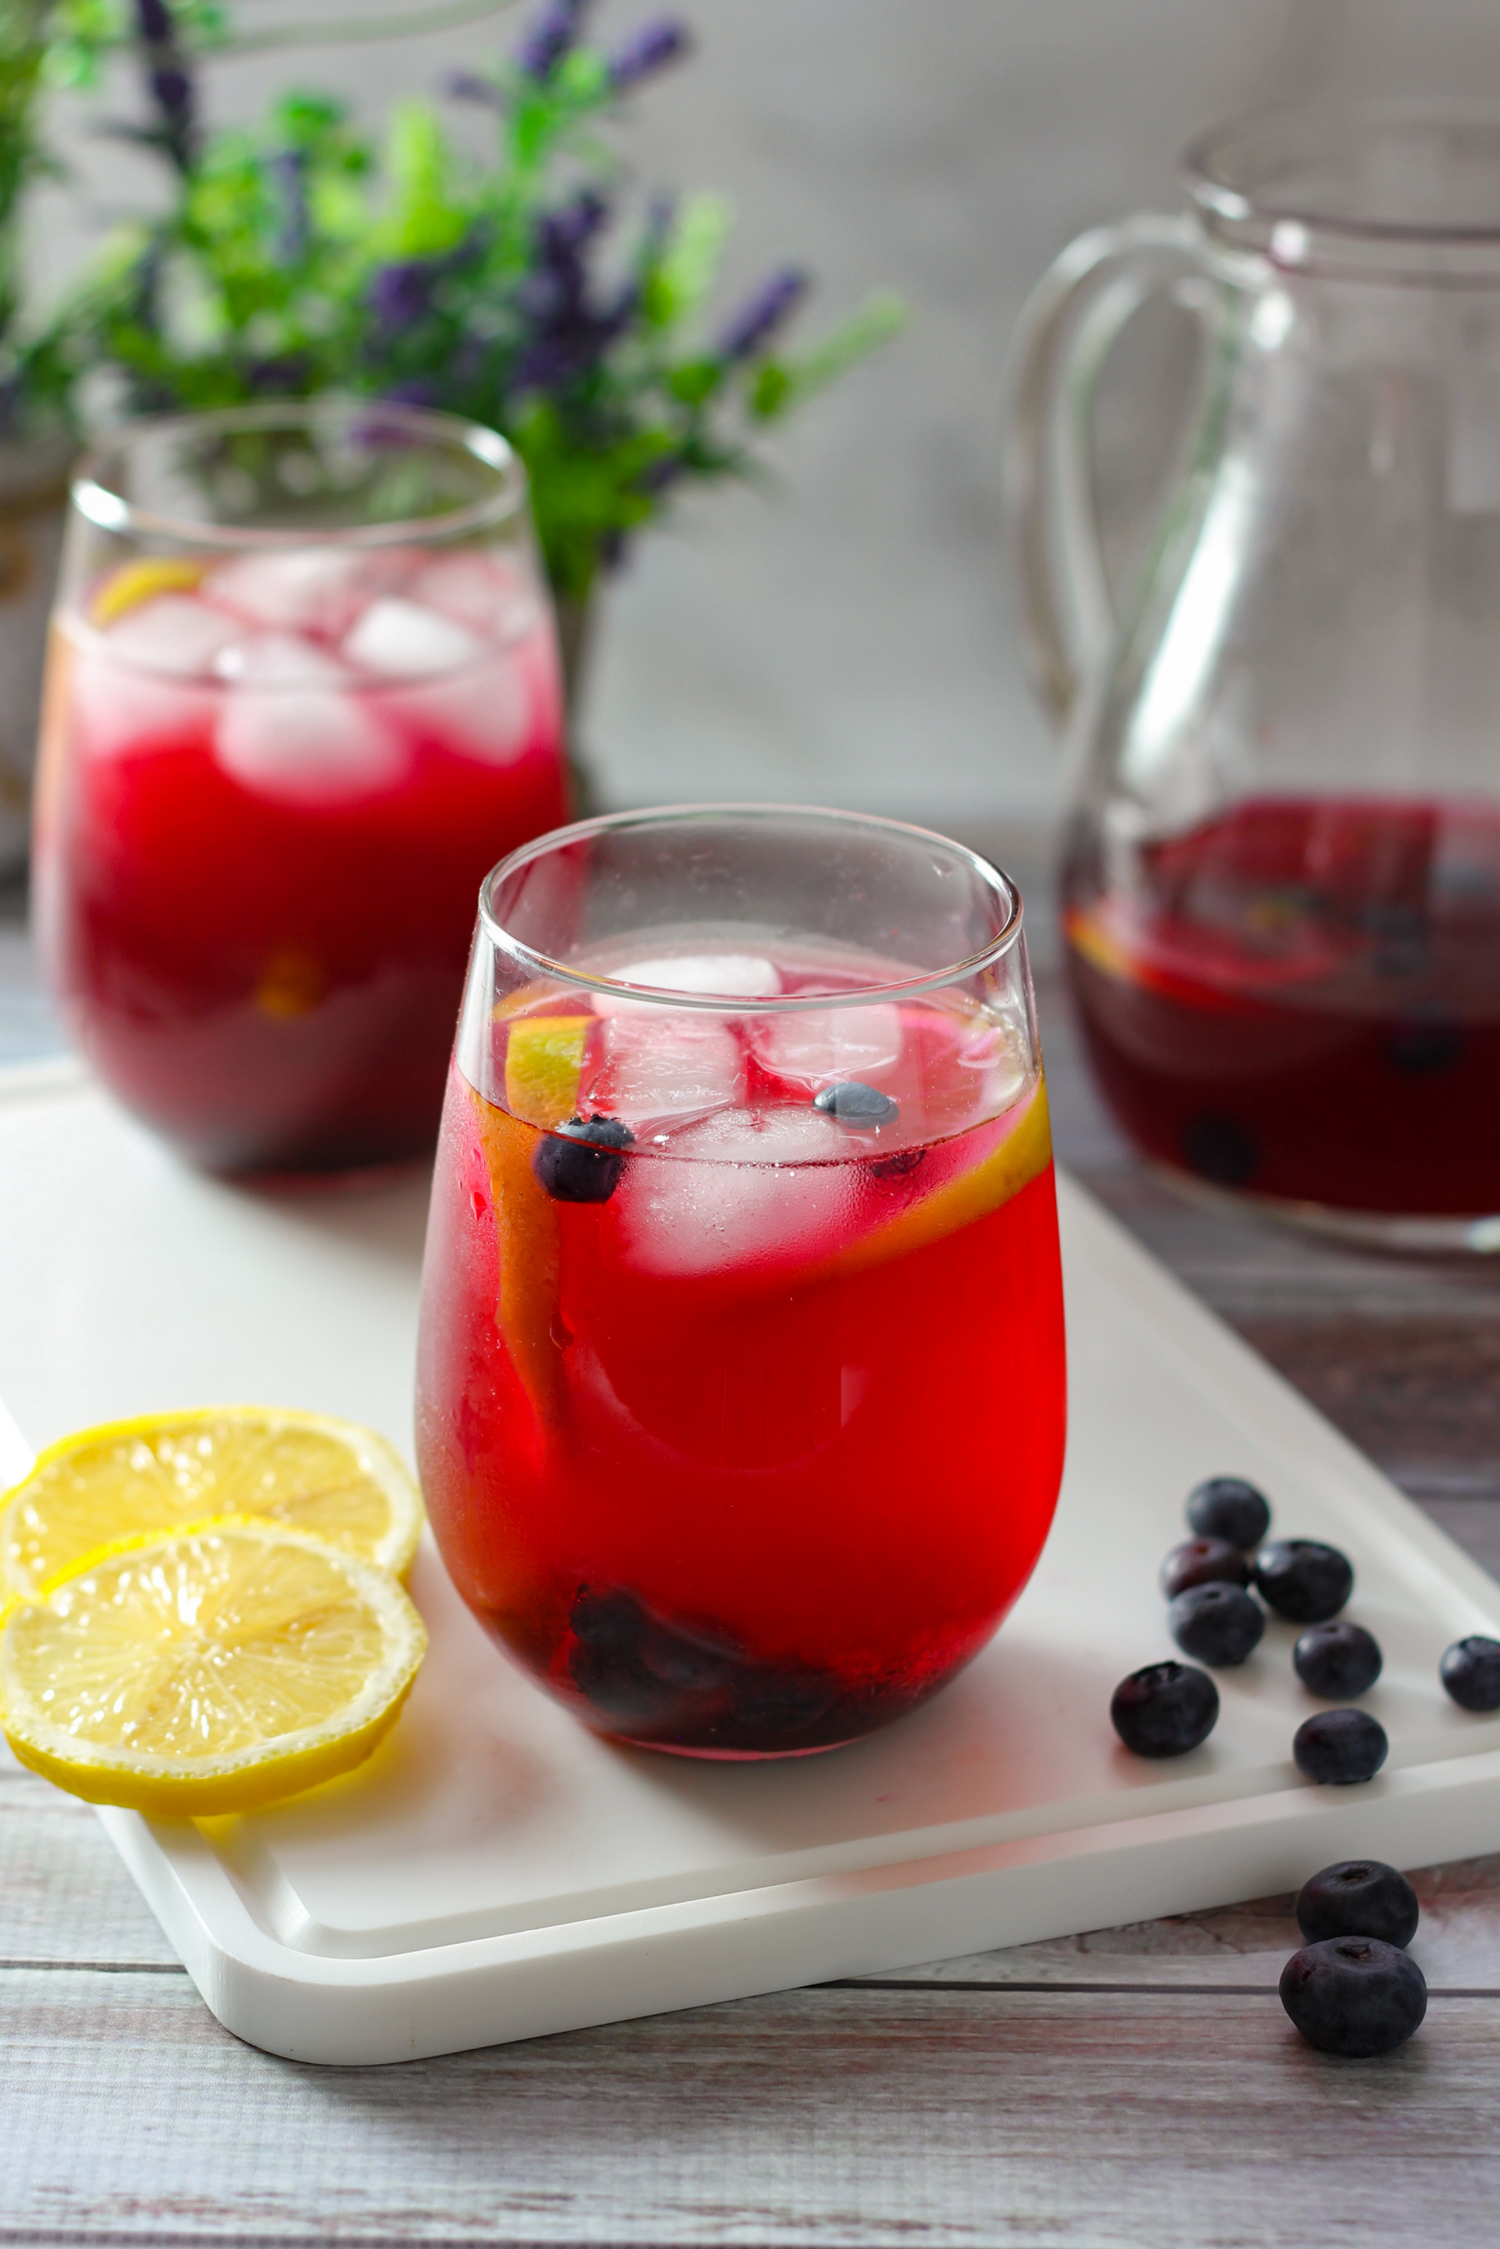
[
  {"x": 1281, "y": 879},
  {"x": 33, "y": 506}
]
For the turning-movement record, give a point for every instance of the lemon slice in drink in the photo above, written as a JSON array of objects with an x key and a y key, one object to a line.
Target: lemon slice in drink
[
  {"x": 130, "y": 1479},
  {"x": 135, "y": 582},
  {"x": 211, "y": 1672}
]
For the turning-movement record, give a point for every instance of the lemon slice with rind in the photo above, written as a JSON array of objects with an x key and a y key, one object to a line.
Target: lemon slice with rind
[
  {"x": 213, "y": 1672},
  {"x": 150, "y": 1475},
  {"x": 135, "y": 582}
]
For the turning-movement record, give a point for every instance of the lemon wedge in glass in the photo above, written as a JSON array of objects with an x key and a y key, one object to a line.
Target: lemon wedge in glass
[
  {"x": 211, "y": 1672},
  {"x": 130, "y": 1479}
]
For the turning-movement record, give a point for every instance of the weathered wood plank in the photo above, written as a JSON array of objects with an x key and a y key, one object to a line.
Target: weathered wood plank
[
  {"x": 870, "y": 2115},
  {"x": 1457, "y": 1944}
]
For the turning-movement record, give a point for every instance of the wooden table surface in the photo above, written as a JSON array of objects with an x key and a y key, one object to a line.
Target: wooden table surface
[{"x": 1138, "y": 2085}]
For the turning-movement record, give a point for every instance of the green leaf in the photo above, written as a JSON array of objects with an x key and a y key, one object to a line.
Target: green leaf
[
  {"x": 427, "y": 216},
  {"x": 881, "y": 316},
  {"x": 689, "y": 263}
]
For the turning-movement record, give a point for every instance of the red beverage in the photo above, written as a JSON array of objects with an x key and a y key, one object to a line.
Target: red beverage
[
  {"x": 1302, "y": 999},
  {"x": 753, "y": 1449},
  {"x": 272, "y": 786}
]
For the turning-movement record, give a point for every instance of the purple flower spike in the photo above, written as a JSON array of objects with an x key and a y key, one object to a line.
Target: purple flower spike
[
  {"x": 552, "y": 35},
  {"x": 468, "y": 86},
  {"x": 648, "y": 50},
  {"x": 759, "y": 318},
  {"x": 416, "y": 392},
  {"x": 401, "y": 294}
]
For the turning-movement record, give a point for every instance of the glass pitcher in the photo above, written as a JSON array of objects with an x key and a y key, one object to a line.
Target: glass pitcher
[{"x": 1281, "y": 873}]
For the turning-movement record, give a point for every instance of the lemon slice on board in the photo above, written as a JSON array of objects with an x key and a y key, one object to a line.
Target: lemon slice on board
[
  {"x": 208, "y": 1673},
  {"x": 148, "y": 1476}
]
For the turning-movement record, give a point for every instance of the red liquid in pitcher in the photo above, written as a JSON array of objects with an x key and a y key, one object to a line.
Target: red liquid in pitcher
[
  {"x": 1302, "y": 999},
  {"x": 751, "y": 1456},
  {"x": 271, "y": 791}
]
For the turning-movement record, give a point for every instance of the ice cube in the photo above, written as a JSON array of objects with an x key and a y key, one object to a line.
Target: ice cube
[
  {"x": 279, "y": 660},
  {"x": 749, "y": 1189},
  {"x": 826, "y": 1044},
  {"x": 174, "y": 633},
  {"x": 116, "y": 711},
  {"x": 308, "y": 745},
  {"x": 736, "y": 975},
  {"x": 659, "y": 1066},
  {"x": 485, "y": 593},
  {"x": 405, "y": 641},
  {"x": 311, "y": 589},
  {"x": 483, "y": 712}
]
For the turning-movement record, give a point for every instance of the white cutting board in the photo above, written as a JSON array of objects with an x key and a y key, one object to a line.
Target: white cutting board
[{"x": 498, "y": 1872}]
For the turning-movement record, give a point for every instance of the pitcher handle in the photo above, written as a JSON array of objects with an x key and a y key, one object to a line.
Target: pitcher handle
[{"x": 1065, "y": 333}]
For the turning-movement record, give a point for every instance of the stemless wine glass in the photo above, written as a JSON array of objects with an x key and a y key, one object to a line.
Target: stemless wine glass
[
  {"x": 741, "y": 1375},
  {"x": 302, "y": 689}
]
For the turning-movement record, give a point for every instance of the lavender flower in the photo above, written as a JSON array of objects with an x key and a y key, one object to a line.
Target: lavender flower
[
  {"x": 762, "y": 314},
  {"x": 401, "y": 293},
  {"x": 169, "y": 81},
  {"x": 648, "y": 50},
  {"x": 468, "y": 86},
  {"x": 553, "y": 34},
  {"x": 416, "y": 392},
  {"x": 568, "y": 335}
]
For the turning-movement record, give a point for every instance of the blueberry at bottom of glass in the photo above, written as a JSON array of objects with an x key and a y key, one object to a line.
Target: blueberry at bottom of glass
[{"x": 693, "y": 1690}]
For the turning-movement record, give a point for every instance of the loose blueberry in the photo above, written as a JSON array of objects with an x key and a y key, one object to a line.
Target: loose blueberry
[
  {"x": 1216, "y": 1623},
  {"x": 863, "y": 1106},
  {"x": 581, "y": 1161},
  {"x": 1203, "y": 1561},
  {"x": 1303, "y": 1580},
  {"x": 1164, "y": 1710},
  {"x": 1471, "y": 1672},
  {"x": 1339, "y": 1747},
  {"x": 1227, "y": 1507},
  {"x": 1354, "y": 1995},
  {"x": 1338, "y": 1660},
  {"x": 1358, "y": 1898}
]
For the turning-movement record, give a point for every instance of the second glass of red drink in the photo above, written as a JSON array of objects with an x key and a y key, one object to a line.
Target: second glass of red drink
[
  {"x": 741, "y": 1371},
  {"x": 302, "y": 690}
]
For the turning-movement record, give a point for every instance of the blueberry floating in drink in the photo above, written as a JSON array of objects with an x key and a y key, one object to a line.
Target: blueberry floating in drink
[
  {"x": 1216, "y": 1623},
  {"x": 581, "y": 1161},
  {"x": 1358, "y": 1898},
  {"x": 1164, "y": 1710},
  {"x": 1203, "y": 1561},
  {"x": 1340, "y": 1748},
  {"x": 1303, "y": 1580},
  {"x": 1470, "y": 1671},
  {"x": 1337, "y": 1660},
  {"x": 863, "y": 1106},
  {"x": 1354, "y": 1996},
  {"x": 1227, "y": 1507}
]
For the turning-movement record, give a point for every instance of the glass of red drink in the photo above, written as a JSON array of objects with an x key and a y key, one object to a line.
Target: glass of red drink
[
  {"x": 740, "y": 1405},
  {"x": 302, "y": 690}
]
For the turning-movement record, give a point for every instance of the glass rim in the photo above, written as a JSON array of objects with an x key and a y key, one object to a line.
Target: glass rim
[
  {"x": 91, "y": 495},
  {"x": 995, "y": 880},
  {"x": 1234, "y": 175}
]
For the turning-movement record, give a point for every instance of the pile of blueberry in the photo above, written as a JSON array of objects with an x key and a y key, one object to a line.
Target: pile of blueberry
[
  {"x": 1353, "y": 1989},
  {"x": 1211, "y": 1581}
]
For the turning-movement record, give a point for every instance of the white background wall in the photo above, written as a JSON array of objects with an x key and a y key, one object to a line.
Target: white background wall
[{"x": 847, "y": 639}]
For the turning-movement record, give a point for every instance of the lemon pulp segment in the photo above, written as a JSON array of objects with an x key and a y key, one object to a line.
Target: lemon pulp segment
[
  {"x": 207, "y": 1673},
  {"x": 159, "y": 1471},
  {"x": 543, "y": 1067}
]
